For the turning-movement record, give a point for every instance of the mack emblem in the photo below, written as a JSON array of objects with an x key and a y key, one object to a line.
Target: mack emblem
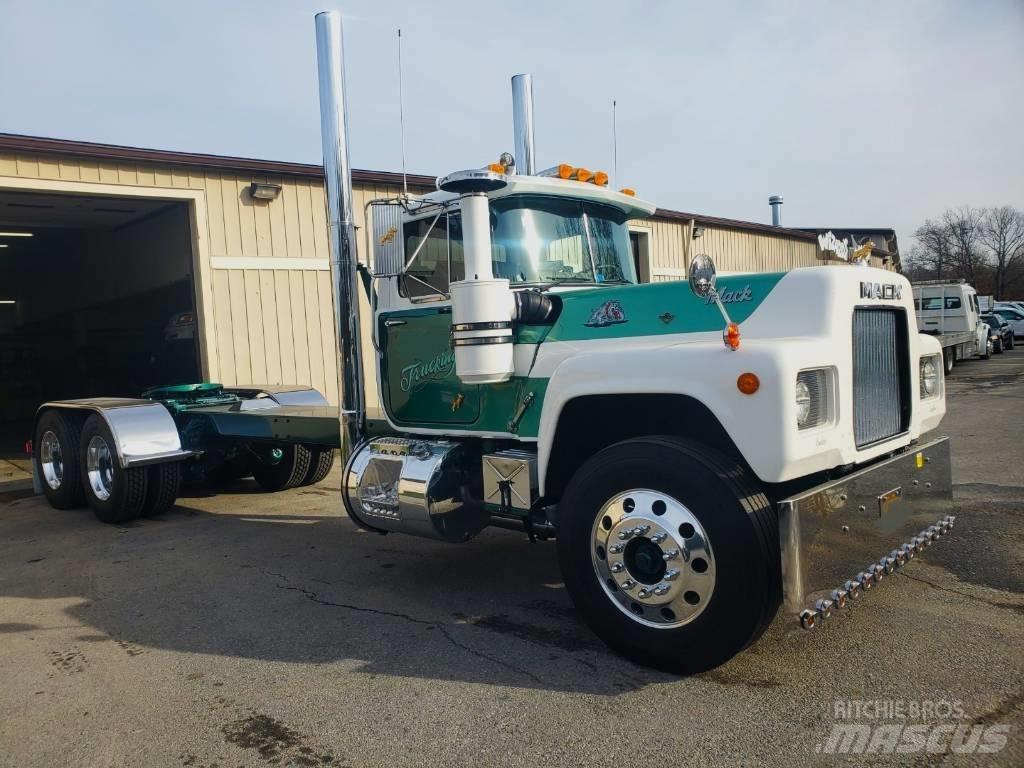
[
  {"x": 880, "y": 290},
  {"x": 608, "y": 313},
  {"x": 732, "y": 297}
]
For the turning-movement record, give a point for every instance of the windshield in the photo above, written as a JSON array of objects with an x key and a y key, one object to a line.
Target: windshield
[{"x": 538, "y": 239}]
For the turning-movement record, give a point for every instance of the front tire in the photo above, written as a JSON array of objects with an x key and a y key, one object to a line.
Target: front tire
[
  {"x": 670, "y": 552},
  {"x": 948, "y": 360},
  {"x": 115, "y": 494}
]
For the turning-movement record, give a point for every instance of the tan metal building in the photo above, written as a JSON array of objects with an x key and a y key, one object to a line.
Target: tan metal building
[{"x": 133, "y": 238}]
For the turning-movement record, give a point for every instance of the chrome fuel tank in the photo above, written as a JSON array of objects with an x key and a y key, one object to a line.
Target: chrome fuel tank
[{"x": 418, "y": 487}]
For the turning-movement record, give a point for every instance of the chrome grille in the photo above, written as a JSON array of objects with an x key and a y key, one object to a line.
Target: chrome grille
[{"x": 880, "y": 374}]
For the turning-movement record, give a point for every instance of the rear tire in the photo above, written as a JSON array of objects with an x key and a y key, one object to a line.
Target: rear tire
[
  {"x": 321, "y": 461},
  {"x": 286, "y": 473},
  {"x": 115, "y": 494},
  {"x": 948, "y": 360},
  {"x": 55, "y": 450},
  {"x": 725, "y": 553},
  {"x": 162, "y": 487}
]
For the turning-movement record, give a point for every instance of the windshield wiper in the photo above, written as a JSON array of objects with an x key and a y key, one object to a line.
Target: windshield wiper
[{"x": 565, "y": 280}]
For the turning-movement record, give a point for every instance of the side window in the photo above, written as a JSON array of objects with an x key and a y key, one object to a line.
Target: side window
[
  {"x": 434, "y": 267},
  {"x": 953, "y": 302}
]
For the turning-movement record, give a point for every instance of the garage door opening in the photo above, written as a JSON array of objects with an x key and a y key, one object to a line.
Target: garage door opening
[{"x": 96, "y": 298}]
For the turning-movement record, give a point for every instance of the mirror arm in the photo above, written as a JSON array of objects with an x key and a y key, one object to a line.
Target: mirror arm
[{"x": 721, "y": 307}]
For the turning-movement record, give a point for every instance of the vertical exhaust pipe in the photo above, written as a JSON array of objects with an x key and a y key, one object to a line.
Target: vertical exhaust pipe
[
  {"x": 338, "y": 179},
  {"x": 524, "y": 150},
  {"x": 775, "y": 201}
]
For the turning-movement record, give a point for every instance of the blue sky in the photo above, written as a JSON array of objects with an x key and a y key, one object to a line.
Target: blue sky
[{"x": 862, "y": 114}]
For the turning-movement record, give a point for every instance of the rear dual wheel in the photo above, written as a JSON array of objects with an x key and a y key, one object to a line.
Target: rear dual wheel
[
  {"x": 289, "y": 466},
  {"x": 670, "y": 552}
]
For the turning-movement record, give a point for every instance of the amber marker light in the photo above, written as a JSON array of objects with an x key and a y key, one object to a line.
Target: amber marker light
[
  {"x": 748, "y": 383},
  {"x": 731, "y": 336},
  {"x": 601, "y": 179},
  {"x": 583, "y": 174},
  {"x": 628, "y": 191},
  {"x": 565, "y": 171}
]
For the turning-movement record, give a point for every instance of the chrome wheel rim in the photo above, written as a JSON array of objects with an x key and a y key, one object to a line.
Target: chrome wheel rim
[
  {"x": 99, "y": 466},
  {"x": 51, "y": 459},
  {"x": 653, "y": 558}
]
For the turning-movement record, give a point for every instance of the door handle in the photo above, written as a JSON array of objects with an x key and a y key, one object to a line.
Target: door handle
[{"x": 393, "y": 323}]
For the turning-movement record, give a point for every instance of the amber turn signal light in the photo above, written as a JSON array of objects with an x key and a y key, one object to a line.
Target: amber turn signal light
[
  {"x": 748, "y": 383},
  {"x": 731, "y": 336}
]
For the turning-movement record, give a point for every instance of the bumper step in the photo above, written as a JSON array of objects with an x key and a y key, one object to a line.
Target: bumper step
[{"x": 868, "y": 578}]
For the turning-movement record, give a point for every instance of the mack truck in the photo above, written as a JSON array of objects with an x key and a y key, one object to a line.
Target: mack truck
[{"x": 705, "y": 453}]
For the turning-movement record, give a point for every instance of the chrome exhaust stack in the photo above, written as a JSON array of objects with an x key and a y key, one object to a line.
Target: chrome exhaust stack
[
  {"x": 523, "y": 150},
  {"x": 338, "y": 179}
]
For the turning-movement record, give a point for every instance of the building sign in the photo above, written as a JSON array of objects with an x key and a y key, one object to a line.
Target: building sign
[{"x": 829, "y": 243}]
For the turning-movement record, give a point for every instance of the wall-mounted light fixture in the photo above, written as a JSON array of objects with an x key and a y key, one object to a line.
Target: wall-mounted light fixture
[
  {"x": 15, "y": 234},
  {"x": 261, "y": 190},
  {"x": 3, "y": 245},
  {"x": 698, "y": 231},
  {"x": 6, "y": 301}
]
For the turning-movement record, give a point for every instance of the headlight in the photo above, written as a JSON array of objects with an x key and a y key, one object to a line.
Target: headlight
[
  {"x": 812, "y": 398},
  {"x": 929, "y": 375}
]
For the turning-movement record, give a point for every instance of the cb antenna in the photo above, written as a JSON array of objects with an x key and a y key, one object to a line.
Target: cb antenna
[
  {"x": 615, "y": 142},
  {"x": 401, "y": 115}
]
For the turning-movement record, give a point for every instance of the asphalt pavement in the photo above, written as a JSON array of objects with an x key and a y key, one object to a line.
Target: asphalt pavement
[{"x": 245, "y": 629}]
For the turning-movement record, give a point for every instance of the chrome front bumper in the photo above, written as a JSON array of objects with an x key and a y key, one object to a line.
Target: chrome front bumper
[{"x": 841, "y": 538}]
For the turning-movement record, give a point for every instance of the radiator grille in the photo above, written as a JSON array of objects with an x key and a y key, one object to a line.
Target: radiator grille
[{"x": 880, "y": 374}]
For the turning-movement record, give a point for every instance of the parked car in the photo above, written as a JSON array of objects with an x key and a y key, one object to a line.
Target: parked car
[
  {"x": 1000, "y": 332},
  {"x": 1018, "y": 305},
  {"x": 1015, "y": 317}
]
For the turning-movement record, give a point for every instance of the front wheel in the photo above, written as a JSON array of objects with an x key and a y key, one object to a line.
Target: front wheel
[
  {"x": 989, "y": 349},
  {"x": 1009, "y": 343},
  {"x": 948, "y": 360},
  {"x": 670, "y": 552}
]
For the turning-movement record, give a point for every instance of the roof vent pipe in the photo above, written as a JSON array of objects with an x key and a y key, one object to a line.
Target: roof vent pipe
[
  {"x": 775, "y": 201},
  {"x": 524, "y": 150},
  {"x": 338, "y": 180}
]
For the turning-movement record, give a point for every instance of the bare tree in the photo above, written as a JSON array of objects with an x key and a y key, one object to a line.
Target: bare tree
[
  {"x": 963, "y": 228},
  {"x": 933, "y": 252},
  {"x": 1002, "y": 232}
]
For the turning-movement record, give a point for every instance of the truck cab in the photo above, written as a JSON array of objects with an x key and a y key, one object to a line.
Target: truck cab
[
  {"x": 950, "y": 312},
  {"x": 703, "y": 452}
]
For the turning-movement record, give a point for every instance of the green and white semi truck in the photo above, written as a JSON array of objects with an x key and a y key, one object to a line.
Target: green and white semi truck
[{"x": 704, "y": 452}]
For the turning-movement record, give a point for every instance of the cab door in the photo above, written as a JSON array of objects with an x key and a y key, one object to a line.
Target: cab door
[{"x": 418, "y": 367}]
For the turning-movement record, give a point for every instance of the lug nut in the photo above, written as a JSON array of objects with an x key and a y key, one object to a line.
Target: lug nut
[
  {"x": 866, "y": 580},
  {"x": 890, "y": 565},
  {"x": 670, "y": 554},
  {"x": 626, "y": 534},
  {"x": 908, "y": 552},
  {"x": 661, "y": 589},
  {"x": 839, "y": 598},
  {"x": 659, "y": 537},
  {"x": 852, "y": 589},
  {"x": 616, "y": 567},
  {"x": 898, "y": 556},
  {"x": 824, "y": 608},
  {"x": 615, "y": 548},
  {"x": 644, "y": 592},
  {"x": 628, "y": 584},
  {"x": 671, "y": 575},
  {"x": 878, "y": 571},
  {"x": 808, "y": 618}
]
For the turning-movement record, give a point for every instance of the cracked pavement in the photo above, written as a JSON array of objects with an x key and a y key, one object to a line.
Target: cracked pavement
[{"x": 246, "y": 629}]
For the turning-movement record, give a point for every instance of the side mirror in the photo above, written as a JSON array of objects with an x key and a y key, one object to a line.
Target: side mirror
[
  {"x": 388, "y": 243},
  {"x": 702, "y": 275}
]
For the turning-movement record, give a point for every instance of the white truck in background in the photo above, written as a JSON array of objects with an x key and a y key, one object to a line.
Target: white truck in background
[{"x": 949, "y": 311}]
